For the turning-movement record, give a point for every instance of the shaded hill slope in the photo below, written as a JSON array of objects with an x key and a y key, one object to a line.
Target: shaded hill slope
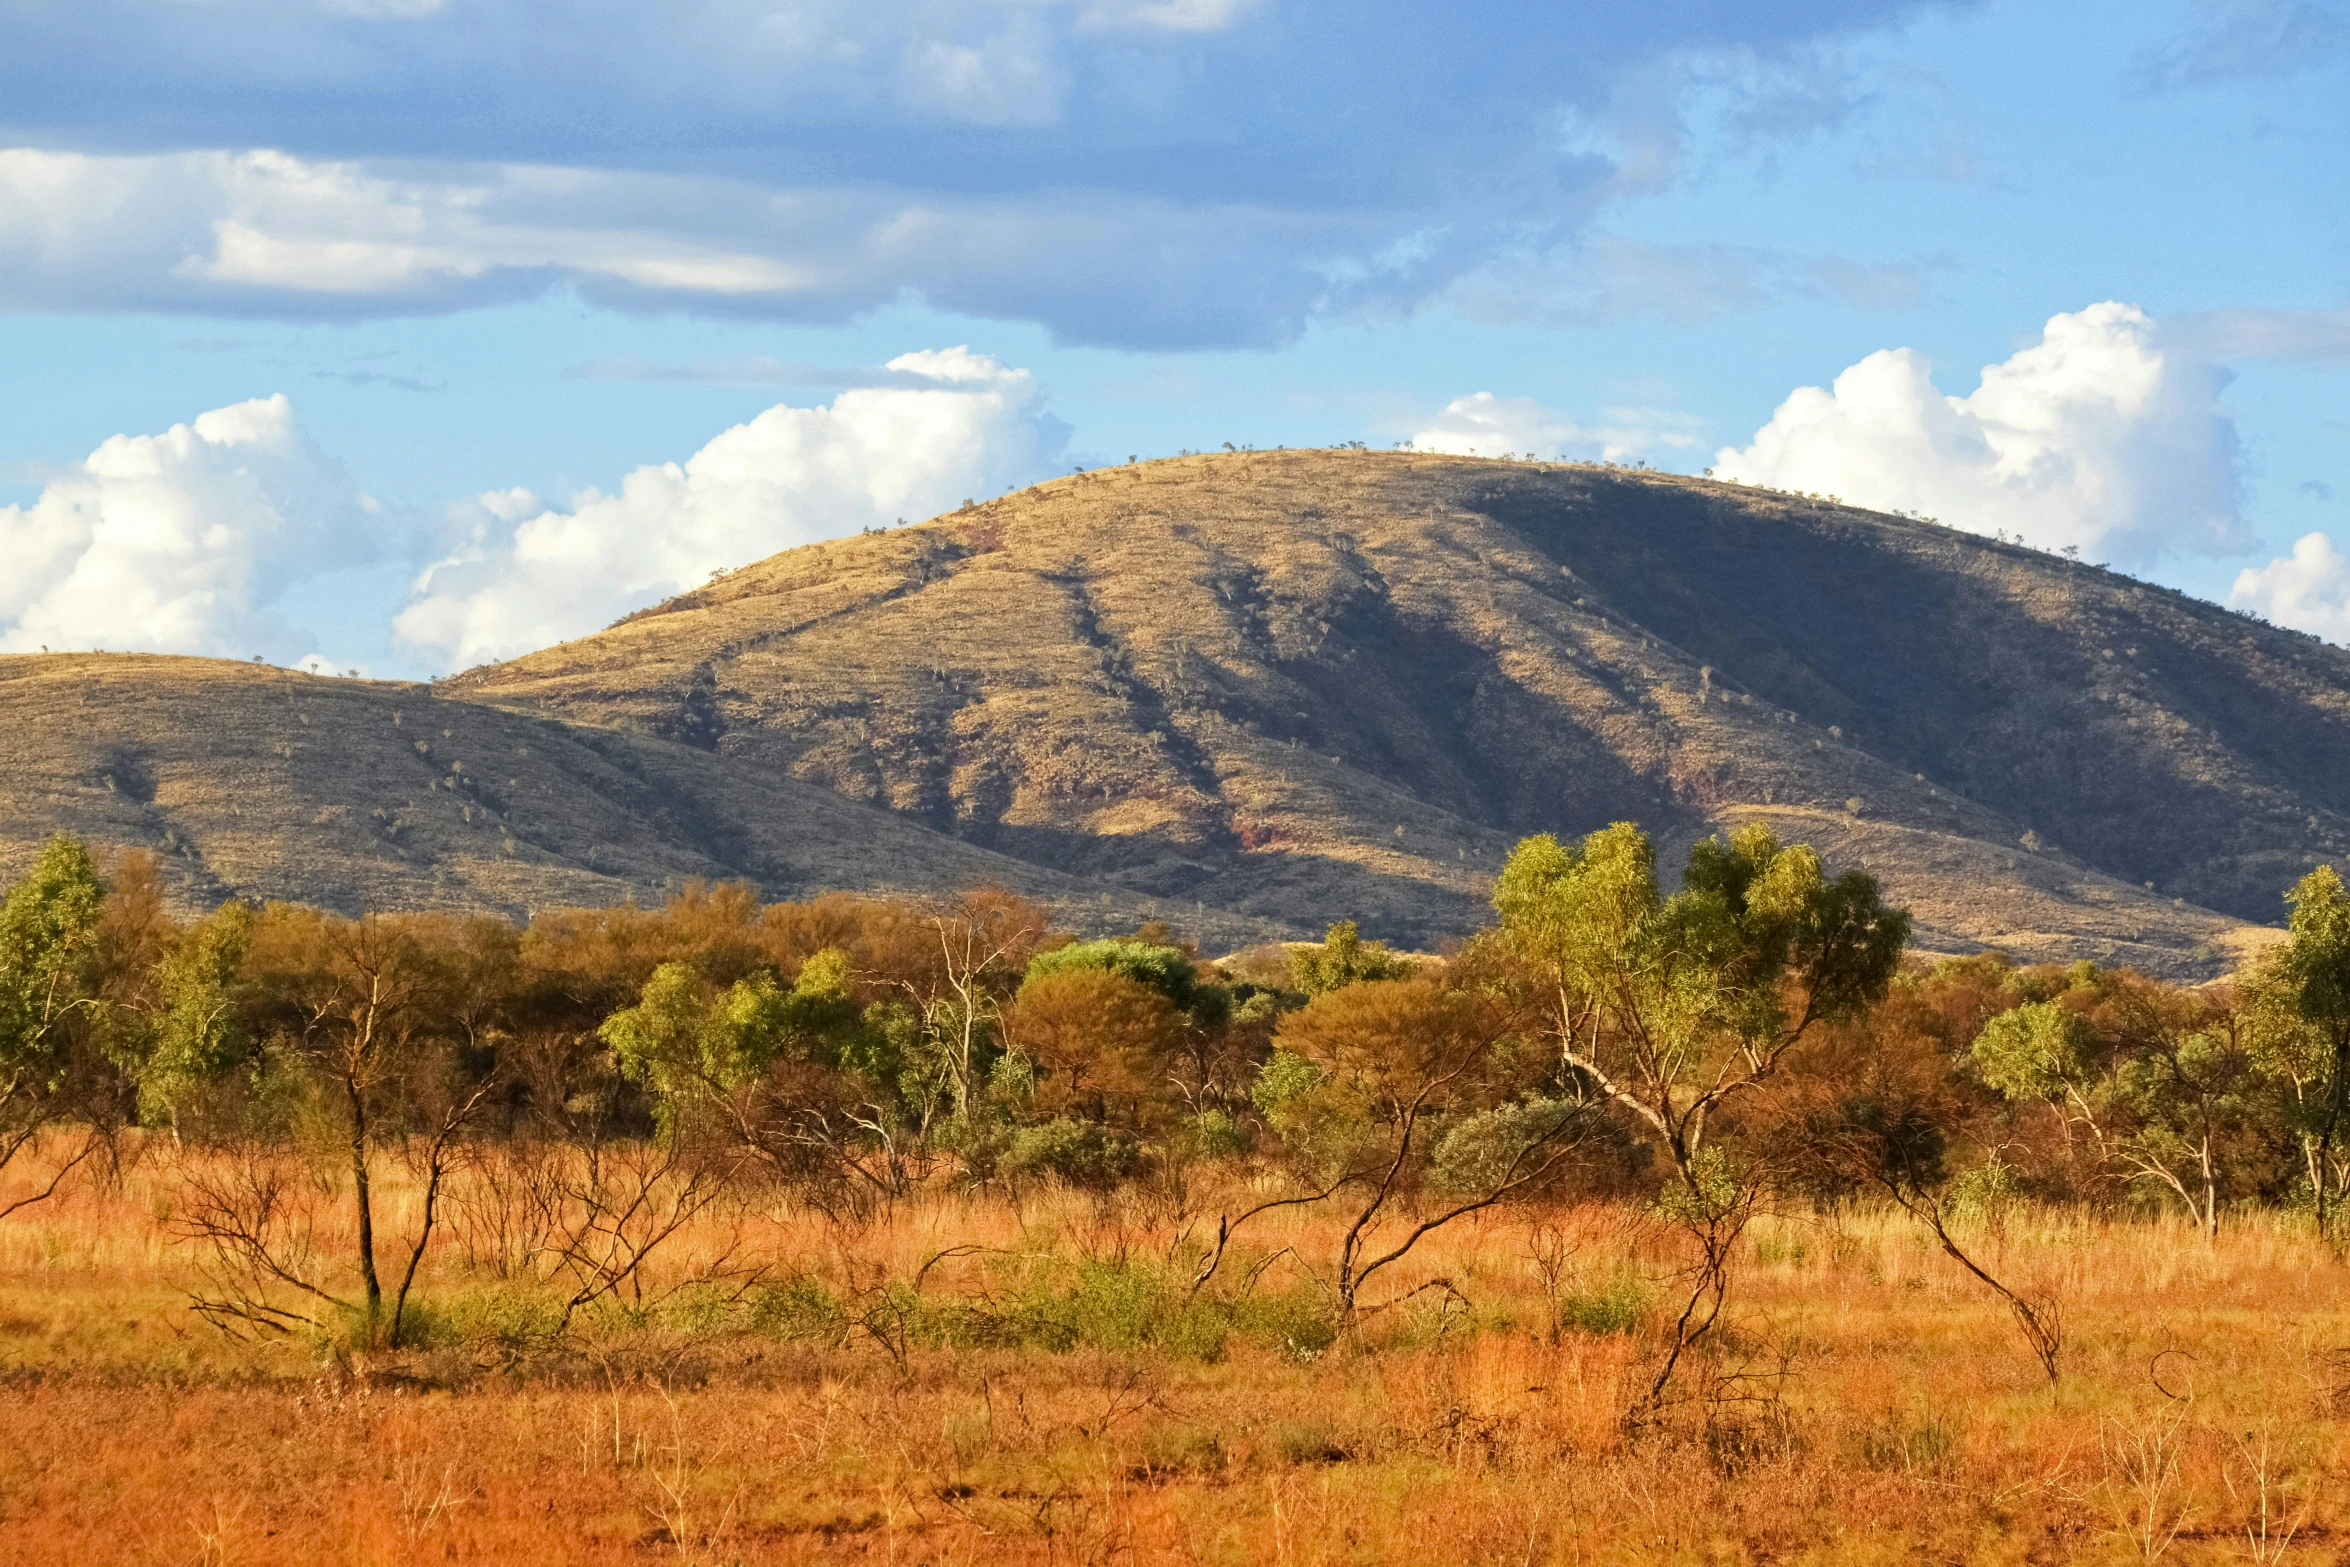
[
  {"x": 1297, "y": 684},
  {"x": 266, "y": 783}
]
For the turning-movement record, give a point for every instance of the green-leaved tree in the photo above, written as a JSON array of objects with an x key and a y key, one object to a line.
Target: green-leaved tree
[
  {"x": 1672, "y": 1006},
  {"x": 1343, "y": 959},
  {"x": 49, "y": 997},
  {"x": 2300, "y": 1026},
  {"x": 791, "y": 1075}
]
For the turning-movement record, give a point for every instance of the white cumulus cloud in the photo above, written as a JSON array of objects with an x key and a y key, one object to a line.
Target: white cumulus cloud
[
  {"x": 2102, "y": 436},
  {"x": 529, "y": 574},
  {"x": 1483, "y": 425},
  {"x": 2308, "y": 590},
  {"x": 184, "y": 542}
]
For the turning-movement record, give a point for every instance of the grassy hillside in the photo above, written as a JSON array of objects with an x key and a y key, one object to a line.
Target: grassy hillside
[
  {"x": 1254, "y": 691},
  {"x": 1292, "y": 683},
  {"x": 265, "y": 783}
]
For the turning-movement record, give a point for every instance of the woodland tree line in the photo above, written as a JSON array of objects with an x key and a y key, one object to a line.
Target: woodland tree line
[{"x": 584, "y": 1086}]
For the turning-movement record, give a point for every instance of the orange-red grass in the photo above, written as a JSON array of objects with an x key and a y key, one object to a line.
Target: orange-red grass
[{"x": 1888, "y": 1411}]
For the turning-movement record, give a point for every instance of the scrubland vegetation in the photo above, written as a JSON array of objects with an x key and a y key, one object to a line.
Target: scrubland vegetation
[{"x": 1643, "y": 1225}]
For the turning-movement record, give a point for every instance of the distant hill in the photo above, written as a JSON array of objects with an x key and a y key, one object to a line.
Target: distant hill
[
  {"x": 1251, "y": 692},
  {"x": 354, "y": 795}
]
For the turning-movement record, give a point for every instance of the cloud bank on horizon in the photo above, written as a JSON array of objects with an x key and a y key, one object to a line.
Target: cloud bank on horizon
[
  {"x": 185, "y": 542},
  {"x": 2106, "y": 439},
  {"x": 192, "y": 541},
  {"x": 1483, "y": 425},
  {"x": 527, "y": 575},
  {"x": 2307, "y": 589},
  {"x": 2101, "y": 439}
]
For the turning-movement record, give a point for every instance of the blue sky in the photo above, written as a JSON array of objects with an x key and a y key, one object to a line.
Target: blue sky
[{"x": 400, "y": 334}]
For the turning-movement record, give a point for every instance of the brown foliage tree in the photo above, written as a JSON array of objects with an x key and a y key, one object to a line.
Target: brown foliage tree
[
  {"x": 392, "y": 1022},
  {"x": 1101, "y": 1042},
  {"x": 1366, "y": 1076}
]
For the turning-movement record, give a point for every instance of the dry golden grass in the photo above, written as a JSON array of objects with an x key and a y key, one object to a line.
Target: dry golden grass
[{"x": 1889, "y": 1412}]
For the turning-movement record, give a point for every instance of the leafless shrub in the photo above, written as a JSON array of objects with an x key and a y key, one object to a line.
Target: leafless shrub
[
  {"x": 250, "y": 1212},
  {"x": 591, "y": 1218},
  {"x": 2266, "y": 1492},
  {"x": 2141, "y": 1485}
]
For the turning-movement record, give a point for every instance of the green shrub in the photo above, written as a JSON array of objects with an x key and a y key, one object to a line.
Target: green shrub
[
  {"x": 1217, "y": 1135},
  {"x": 699, "y": 1311},
  {"x": 1122, "y": 1307},
  {"x": 1167, "y": 970},
  {"x": 1079, "y": 1152},
  {"x": 1618, "y": 1307},
  {"x": 1343, "y": 958},
  {"x": 799, "y": 1308},
  {"x": 1485, "y": 1151},
  {"x": 1299, "y": 1323},
  {"x": 503, "y": 1323},
  {"x": 1285, "y": 1077},
  {"x": 1985, "y": 1193}
]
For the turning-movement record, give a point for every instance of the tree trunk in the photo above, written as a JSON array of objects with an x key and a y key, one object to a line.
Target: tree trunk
[
  {"x": 2210, "y": 1195},
  {"x": 364, "y": 1205},
  {"x": 2321, "y": 1168},
  {"x": 435, "y": 1166}
]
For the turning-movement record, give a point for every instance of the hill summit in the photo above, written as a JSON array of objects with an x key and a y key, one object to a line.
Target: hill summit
[{"x": 1250, "y": 692}]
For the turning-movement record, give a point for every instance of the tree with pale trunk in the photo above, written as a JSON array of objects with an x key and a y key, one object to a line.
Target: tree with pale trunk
[{"x": 1675, "y": 1007}]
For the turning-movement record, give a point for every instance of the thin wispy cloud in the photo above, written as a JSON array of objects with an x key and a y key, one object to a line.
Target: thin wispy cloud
[
  {"x": 1604, "y": 280},
  {"x": 2246, "y": 41},
  {"x": 755, "y": 370},
  {"x": 398, "y": 383},
  {"x": 2318, "y": 337}
]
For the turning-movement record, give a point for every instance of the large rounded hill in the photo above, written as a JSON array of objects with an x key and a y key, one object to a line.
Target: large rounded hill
[
  {"x": 1252, "y": 692},
  {"x": 1290, "y": 686}
]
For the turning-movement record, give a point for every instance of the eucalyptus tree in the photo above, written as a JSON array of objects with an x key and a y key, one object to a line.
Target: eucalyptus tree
[
  {"x": 1673, "y": 1007},
  {"x": 371, "y": 1037},
  {"x": 1343, "y": 959},
  {"x": 2300, "y": 1026},
  {"x": 780, "y": 1073},
  {"x": 198, "y": 1033},
  {"x": 981, "y": 945},
  {"x": 2160, "y": 1084},
  {"x": 50, "y": 1000},
  {"x": 1417, "y": 1094},
  {"x": 1130, "y": 1026}
]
